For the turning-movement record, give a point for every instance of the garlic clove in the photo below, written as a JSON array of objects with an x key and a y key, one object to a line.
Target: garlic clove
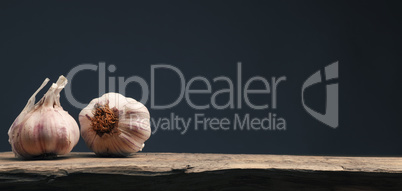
[{"x": 115, "y": 125}]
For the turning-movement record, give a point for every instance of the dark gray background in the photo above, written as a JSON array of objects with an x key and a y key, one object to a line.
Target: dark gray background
[{"x": 277, "y": 38}]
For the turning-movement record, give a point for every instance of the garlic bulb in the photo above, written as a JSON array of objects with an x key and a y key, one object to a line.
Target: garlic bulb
[
  {"x": 114, "y": 125},
  {"x": 44, "y": 129}
]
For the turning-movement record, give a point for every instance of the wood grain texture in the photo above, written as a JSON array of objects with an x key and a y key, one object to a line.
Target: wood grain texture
[{"x": 149, "y": 171}]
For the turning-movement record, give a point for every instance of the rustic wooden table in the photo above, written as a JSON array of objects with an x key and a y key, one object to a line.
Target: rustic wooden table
[{"x": 191, "y": 171}]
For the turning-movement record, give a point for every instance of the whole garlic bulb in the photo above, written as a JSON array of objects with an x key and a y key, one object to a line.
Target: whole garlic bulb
[
  {"x": 114, "y": 125},
  {"x": 44, "y": 129}
]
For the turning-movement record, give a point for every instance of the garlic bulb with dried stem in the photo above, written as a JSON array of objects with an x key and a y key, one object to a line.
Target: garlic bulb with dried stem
[
  {"x": 44, "y": 129},
  {"x": 114, "y": 125}
]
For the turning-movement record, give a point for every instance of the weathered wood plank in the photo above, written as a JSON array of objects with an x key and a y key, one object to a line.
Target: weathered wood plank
[{"x": 203, "y": 171}]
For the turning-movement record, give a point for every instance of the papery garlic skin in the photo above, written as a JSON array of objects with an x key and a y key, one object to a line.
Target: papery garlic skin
[
  {"x": 44, "y": 129},
  {"x": 125, "y": 131}
]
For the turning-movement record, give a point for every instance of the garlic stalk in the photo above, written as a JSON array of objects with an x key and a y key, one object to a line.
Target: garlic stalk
[
  {"x": 114, "y": 125},
  {"x": 44, "y": 129}
]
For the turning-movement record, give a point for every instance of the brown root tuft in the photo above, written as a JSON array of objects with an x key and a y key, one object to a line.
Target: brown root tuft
[{"x": 105, "y": 120}]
